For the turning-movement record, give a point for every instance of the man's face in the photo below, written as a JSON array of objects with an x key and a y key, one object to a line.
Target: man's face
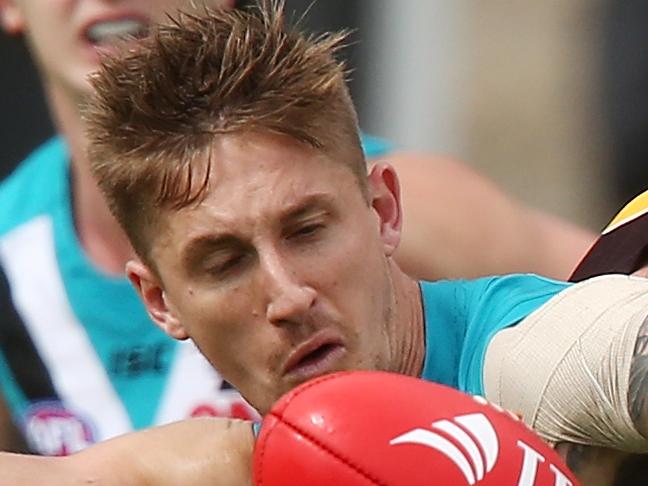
[
  {"x": 65, "y": 36},
  {"x": 282, "y": 272}
]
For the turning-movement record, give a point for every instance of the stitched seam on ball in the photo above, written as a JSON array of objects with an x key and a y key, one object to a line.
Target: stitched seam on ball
[
  {"x": 343, "y": 459},
  {"x": 264, "y": 444},
  {"x": 258, "y": 470},
  {"x": 308, "y": 385}
]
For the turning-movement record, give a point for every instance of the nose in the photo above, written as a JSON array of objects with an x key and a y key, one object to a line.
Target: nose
[{"x": 288, "y": 296}]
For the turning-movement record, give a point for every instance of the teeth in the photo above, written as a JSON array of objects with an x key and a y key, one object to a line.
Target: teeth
[{"x": 104, "y": 32}]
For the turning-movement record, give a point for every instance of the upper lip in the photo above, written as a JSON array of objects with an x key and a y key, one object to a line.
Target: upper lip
[{"x": 319, "y": 339}]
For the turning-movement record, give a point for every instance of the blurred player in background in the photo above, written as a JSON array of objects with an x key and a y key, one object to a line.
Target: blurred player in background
[{"x": 80, "y": 360}]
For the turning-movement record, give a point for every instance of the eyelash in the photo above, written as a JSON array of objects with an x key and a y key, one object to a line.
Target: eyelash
[
  {"x": 307, "y": 231},
  {"x": 229, "y": 265}
]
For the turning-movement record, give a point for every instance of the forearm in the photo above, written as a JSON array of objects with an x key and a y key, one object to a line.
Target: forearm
[
  {"x": 192, "y": 452},
  {"x": 200, "y": 452},
  {"x": 567, "y": 367},
  {"x": 26, "y": 470},
  {"x": 585, "y": 354}
]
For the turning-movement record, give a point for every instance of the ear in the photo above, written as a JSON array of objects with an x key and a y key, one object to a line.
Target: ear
[
  {"x": 152, "y": 293},
  {"x": 384, "y": 193},
  {"x": 11, "y": 18}
]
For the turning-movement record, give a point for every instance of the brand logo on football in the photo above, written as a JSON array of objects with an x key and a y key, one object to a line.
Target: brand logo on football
[
  {"x": 471, "y": 443},
  {"x": 473, "y": 432}
]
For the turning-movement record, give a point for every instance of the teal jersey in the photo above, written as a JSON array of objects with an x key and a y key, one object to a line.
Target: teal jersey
[{"x": 462, "y": 316}]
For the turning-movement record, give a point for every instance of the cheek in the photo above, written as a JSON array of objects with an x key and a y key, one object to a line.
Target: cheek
[
  {"x": 363, "y": 252},
  {"x": 56, "y": 53},
  {"x": 223, "y": 326},
  {"x": 355, "y": 275},
  {"x": 210, "y": 320}
]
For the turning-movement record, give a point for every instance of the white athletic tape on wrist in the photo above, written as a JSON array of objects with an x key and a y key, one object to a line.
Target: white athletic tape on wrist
[{"x": 566, "y": 367}]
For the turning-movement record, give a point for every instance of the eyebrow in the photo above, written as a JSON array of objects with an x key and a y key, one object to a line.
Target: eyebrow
[{"x": 307, "y": 205}]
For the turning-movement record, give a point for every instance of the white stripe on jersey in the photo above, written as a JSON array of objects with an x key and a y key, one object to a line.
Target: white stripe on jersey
[
  {"x": 192, "y": 381},
  {"x": 27, "y": 254}
]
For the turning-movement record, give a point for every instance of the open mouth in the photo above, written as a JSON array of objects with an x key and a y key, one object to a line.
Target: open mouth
[
  {"x": 318, "y": 360},
  {"x": 316, "y": 356},
  {"x": 109, "y": 31}
]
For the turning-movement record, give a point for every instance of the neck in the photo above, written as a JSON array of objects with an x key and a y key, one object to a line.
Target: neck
[
  {"x": 98, "y": 232},
  {"x": 408, "y": 324}
]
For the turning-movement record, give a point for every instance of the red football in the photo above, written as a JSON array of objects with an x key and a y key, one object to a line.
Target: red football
[{"x": 374, "y": 428}]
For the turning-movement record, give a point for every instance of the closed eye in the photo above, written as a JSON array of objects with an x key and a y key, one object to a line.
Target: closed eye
[
  {"x": 306, "y": 231},
  {"x": 227, "y": 266}
]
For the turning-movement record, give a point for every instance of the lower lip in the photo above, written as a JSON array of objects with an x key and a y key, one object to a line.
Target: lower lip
[{"x": 312, "y": 368}]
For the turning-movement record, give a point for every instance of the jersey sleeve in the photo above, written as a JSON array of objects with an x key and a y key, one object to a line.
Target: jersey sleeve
[{"x": 493, "y": 304}]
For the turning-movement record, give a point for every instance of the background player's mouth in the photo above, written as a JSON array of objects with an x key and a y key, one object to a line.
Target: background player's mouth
[{"x": 107, "y": 32}]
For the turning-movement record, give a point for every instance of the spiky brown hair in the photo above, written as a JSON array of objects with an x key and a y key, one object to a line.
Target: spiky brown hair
[{"x": 159, "y": 107}]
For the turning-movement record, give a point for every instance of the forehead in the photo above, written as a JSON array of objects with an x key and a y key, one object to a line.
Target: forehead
[
  {"x": 253, "y": 163},
  {"x": 251, "y": 160},
  {"x": 255, "y": 178}
]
